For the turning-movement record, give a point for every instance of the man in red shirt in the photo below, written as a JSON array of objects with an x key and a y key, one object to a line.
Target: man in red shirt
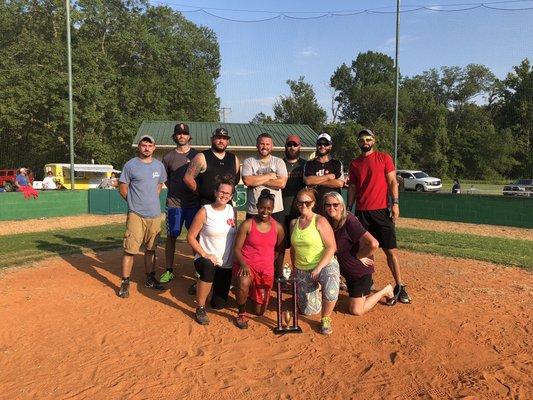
[{"x": 372, "y": 178}]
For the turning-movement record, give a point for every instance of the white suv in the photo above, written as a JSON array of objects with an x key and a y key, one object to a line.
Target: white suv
[{"x": 419, "y": 181}]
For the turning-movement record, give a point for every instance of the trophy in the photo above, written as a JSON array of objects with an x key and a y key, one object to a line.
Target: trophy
[{"x": 287, "y": 316}]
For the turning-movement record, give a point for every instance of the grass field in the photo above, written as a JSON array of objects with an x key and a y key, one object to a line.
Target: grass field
[{"x": 29, "y": 247}]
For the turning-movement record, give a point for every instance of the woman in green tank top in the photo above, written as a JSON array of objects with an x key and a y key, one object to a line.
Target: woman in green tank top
[{"x": 312, "y": 254}]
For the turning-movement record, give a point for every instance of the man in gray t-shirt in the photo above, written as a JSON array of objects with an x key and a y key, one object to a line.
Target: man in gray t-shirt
[
  {"x": 264, "y": 171},
  {"x": 140, "y": 184}
]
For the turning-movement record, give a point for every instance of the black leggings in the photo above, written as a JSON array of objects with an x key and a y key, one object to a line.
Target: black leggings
[{"x": 219, "y": 277}]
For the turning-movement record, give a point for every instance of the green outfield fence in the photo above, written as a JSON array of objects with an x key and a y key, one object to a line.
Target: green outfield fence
[
  {"x": 477, "y": 209},
  {"x": 54, "y": 203}
]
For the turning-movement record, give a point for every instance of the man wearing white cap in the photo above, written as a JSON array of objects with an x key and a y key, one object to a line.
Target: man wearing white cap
[
  {"x": 140, "y": 184},
  {"x": 323, "y": 173}
]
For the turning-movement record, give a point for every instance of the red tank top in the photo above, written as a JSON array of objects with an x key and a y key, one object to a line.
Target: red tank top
[{"x": 258, "y": 249}]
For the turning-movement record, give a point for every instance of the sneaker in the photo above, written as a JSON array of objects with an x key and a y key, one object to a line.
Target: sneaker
[
  {"x": 403, "y": 297},
  {"x": 166, "y": 277},
  {"x": 152, "y": 283},
  {"x": 192, "y": 289},
  {"x": 201, "y": 316},
  {"x": 124, "y": 290},
  {"x": 325, "y": 326},
  {"x": 242, "y": 321}
]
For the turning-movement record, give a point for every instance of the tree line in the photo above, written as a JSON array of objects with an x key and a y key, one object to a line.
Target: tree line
[
  {"x": 453, "y": 122},
  {"x": 131, "y": 61}
]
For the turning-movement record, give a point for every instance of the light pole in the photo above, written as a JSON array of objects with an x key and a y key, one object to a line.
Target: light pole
[
  {"x": 397, "y": 83},
  {"x": 70, "y": 108}
]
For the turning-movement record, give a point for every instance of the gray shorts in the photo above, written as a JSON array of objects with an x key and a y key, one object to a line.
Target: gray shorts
[{"x": 308, "y": 291}]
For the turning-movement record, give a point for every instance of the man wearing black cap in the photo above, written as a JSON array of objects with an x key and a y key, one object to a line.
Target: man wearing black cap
[
  {"x": 182, "y": 203},
  {"x": 323, "y": 173},
  {"x": 140, "y": 183},
  {"x": 372, "y": 178},
  {"x": 209, "y": 165}
]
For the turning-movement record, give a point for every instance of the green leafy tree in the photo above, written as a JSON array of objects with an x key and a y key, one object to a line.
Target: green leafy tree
[
  {"x": 300, "y": 107},
  {"x": 261, "y": 118},
  {"x": 131, "y": 61},
  {"x": 515, "y": 114}
]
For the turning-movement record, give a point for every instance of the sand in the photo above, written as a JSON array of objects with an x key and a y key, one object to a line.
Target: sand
[{"x": 66, "y": 335}]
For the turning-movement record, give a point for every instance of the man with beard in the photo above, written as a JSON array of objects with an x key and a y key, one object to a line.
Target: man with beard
[
  {"x": 264, "y": 171},
  {"x": 182, "y": 203},
  {"x": 372, "y": 179},
  {"x": 211, "y": 164},
  {"x": 206, "y": 168},
  {"x": 295, "y": 171},
  {"x": 140, "y": 184},
  {"x": 323, "y": 173}
]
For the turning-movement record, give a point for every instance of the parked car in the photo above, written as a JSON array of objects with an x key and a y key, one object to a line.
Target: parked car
[
  {"x": 7, "y": 179},
  {"x": 419, "y": 181},
  {"x": 521, "y": 187}
]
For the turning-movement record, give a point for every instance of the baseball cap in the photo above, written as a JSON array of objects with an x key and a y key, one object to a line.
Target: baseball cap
[
  {"x": 293, "y": 138},
  {"x": 221, "y": 132},
  {"x": 147, "y": 138},
  {"x": 326, "y": 136},
  {"x": 365, "y": 132},
  {"x": 181, "y": 128}
]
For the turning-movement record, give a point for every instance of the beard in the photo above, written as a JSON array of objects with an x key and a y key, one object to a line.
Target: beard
[
  {"x": 292, "y": 155},
  {"x": 323, "y": 152},
  {"x": 218, "y": 148},
  {"x": 365, "y": 148}
]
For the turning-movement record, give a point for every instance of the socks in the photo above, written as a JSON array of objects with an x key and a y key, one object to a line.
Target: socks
[
  {"x": 171, "y": 270},
  {"x": 241, "y": 308}
]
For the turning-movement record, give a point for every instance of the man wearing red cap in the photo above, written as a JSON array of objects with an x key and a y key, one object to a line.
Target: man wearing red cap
[{"x": 372, "y": 179}]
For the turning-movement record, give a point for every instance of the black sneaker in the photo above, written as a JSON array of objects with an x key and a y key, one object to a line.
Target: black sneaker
[
  {"x": 201, "y": 316},
  {"x": 192, "y": 289},
  {"x": 403, "y": 297},
  {"x": 124, "y": 290},
  {"x": 152, "y": 283}
]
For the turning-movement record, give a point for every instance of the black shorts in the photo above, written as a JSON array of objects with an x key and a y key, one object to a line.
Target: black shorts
[
  {"x": 359, "y": 287},
  {"x": 219, "y": 277},
  {"x": 380, "y": 225}
]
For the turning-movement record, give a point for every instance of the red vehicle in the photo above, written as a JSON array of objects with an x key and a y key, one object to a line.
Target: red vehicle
[{"x": 7, "y": 179}]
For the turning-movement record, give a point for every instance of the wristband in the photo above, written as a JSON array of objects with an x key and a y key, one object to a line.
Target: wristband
[{"x": 396, "y": 201}]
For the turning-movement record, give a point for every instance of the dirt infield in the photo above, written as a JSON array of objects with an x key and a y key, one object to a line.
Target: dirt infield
[
  {"x": 66, "y": 335},
  {"x": 42, "y": 225}
]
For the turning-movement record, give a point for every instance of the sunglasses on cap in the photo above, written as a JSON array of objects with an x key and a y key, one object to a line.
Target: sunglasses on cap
[{"x": 292, "y": 144}]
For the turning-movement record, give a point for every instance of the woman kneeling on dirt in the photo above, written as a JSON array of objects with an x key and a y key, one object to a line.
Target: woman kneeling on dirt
[
  {"x": 355, "y": 249},
  {"x": 312, "y": 253},
  {"x": 211, "y": 236},
  {"x": 259, "y": 241}
]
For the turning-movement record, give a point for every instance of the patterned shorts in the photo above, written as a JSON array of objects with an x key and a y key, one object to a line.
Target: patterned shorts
[{"x": 308, "y": 293}]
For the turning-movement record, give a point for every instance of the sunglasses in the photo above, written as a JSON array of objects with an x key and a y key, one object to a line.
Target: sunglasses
[
  {"x": 365, "y": 140},
  {"x": 292, "y": 144},
  {"x": 334, "y": 205},
  {"x": 307, "y": 203},
  {"x": 322, "y": 144}
]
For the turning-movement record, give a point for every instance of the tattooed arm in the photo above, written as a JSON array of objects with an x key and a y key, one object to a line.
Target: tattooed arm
[{"x": 196, "y": 166}]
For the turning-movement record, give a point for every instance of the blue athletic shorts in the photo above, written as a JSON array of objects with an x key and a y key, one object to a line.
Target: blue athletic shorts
[{"x": 176, "y": 217}]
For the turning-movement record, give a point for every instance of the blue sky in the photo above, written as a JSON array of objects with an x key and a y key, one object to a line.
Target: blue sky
[{"x": 258, "y": 57}]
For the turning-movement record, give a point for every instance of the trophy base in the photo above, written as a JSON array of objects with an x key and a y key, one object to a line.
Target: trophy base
[{"x": 288, "y": 329}]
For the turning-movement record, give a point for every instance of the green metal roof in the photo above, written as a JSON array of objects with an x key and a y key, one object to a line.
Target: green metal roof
[{"x": 242, "y": 135}]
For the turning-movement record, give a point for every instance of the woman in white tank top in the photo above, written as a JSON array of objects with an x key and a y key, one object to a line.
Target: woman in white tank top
[{"x": 211, "y": 236}]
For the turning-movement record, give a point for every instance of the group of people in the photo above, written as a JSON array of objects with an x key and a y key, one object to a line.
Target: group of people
[{"x": 292, "y": 204}]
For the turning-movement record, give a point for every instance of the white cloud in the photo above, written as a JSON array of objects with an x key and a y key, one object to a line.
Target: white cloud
[
  {"x": 390, "y": 44},
  {"x": 240, "y": 72},
  {"x": 308, "y": 52}
]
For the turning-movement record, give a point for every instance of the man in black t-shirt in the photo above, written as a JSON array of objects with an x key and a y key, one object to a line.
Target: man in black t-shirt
[
  {"x": 182, "y": 203},
  {"x": 323, "y": 173}
]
